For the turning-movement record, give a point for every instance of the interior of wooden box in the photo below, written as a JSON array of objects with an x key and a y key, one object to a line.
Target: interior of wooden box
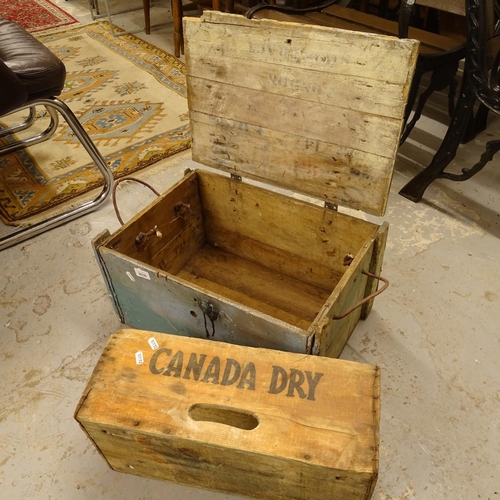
[{"x": 274, "y": 253}]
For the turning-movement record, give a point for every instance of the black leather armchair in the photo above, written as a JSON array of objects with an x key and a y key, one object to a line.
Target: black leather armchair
[{"x": 13, "y": 94}]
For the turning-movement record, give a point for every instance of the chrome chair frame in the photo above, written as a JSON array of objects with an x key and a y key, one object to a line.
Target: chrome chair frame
[{"x": 54, "y": 107}]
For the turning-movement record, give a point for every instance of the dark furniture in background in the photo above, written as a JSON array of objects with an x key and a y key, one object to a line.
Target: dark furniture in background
[{"x": 481, "y": 81}]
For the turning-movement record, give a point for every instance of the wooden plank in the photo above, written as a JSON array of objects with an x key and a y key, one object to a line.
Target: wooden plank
[
  {"x": 331, "y": 335},
  {"x": 254, "y": 280},
  {"x": 318, "y": 167},
  {"x": 163, "y": 214},
  {"x": 351, "y": 22},
  {"x": 281, "y": 16},
  {"x": 97, "y": 242},
  {"x": 158, "y": 301},
  {"x": 429, "y": 44},
  {"x": 367, "y": 95},
  {"x": 384, "y": 26},
  {"x": 283, "y": 262},
  {"x": 287, "y": 224},
  {"x": 278, "y": 103},
  {"x": 344, "y": 18},
  {"x": 453, "y": 6},
  {"x": 313, "y": 434},
  {"x": 175, "y": 253},
  {"x": 362, "y": 55},
  {"x": 372, "y": 134}
]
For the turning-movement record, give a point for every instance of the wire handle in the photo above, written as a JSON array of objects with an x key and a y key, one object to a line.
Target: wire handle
[
  {"x": 366, "y": 299},
  {"x": 113, "y": 193}
]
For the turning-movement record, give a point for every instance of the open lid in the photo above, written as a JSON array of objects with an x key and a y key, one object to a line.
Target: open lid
[{"x": 312, "y": 109}]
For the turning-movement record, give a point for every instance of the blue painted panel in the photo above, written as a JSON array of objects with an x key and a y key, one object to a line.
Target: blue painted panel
[{"x": 151, "y": 300}]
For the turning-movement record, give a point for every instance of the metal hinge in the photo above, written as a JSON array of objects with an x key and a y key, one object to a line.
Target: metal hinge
[
  {"x": 236, "y": 177},
  {"x": 331, "y": 206}
]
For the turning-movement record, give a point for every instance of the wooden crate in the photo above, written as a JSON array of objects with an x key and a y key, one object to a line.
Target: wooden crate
[
  {"x": 241, "y": 420},
  {"x": 304, "y": 108}
]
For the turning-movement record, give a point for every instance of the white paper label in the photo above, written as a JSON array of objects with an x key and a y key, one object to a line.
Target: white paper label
[
  {"x": 141, "y": 273},
  {"x": 152, "y": 342},
  {"x": 139, "y": 358},
  {"x": 130, "y": 276}
]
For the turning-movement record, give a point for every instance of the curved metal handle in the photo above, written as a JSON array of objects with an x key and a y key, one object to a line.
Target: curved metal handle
[
  {"x": 113, "y": 193},
  {"x": 366, "y": 299}
]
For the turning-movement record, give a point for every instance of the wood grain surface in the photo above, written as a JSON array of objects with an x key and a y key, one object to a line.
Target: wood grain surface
[
  {"x": 248, "y": 421},
  {"x": 314, "y": 109}
]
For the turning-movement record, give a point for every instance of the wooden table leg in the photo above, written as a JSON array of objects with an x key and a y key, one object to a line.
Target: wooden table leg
[
  {"x": 147, "y": 16},
  {"x": 216, "y": 5},
  {"x": 177, "y": 18}
]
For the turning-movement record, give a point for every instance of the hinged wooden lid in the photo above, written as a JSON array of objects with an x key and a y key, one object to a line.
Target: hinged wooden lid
[{"x": 313, "y": 109}]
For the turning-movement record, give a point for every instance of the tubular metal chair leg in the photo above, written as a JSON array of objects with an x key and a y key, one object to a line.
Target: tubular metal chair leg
[
  {"x": 54, "y": 105},
  {"x": 36, "y": 139},
  {"x": 13, "y": 129}
]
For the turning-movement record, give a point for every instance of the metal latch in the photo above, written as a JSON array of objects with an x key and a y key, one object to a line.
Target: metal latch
[
  {"x": 331, "y": 206},
  {"x": 209, "y": 310},
  {"x": 236, "y": 177}
]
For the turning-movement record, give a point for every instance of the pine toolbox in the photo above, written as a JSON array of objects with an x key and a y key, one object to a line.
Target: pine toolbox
[
  {"x": 305, "y": 108},
  {"x": 256, "y": 422}
]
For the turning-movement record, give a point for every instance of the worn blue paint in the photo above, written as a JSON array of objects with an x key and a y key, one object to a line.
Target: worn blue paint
[{"x": 163, "y": 303}]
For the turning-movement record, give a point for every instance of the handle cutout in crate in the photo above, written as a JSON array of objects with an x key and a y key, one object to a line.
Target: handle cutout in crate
[
  {"x": 222, "y": 415},
  {"x": 366, "y": 299}
]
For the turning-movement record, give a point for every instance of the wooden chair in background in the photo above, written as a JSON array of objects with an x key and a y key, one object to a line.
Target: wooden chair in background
[{"x": 177, "y": 9}]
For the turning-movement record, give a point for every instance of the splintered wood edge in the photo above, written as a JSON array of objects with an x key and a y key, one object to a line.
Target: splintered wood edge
[{"x": 216, "y": 17}]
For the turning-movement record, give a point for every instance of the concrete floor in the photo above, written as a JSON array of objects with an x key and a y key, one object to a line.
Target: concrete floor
[{"x": 434, "y": 334}]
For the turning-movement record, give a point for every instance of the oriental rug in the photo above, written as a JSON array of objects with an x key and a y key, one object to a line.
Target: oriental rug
[
  {"x": 130, "y": 97},
  {"x": 35, "y": 15}
]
